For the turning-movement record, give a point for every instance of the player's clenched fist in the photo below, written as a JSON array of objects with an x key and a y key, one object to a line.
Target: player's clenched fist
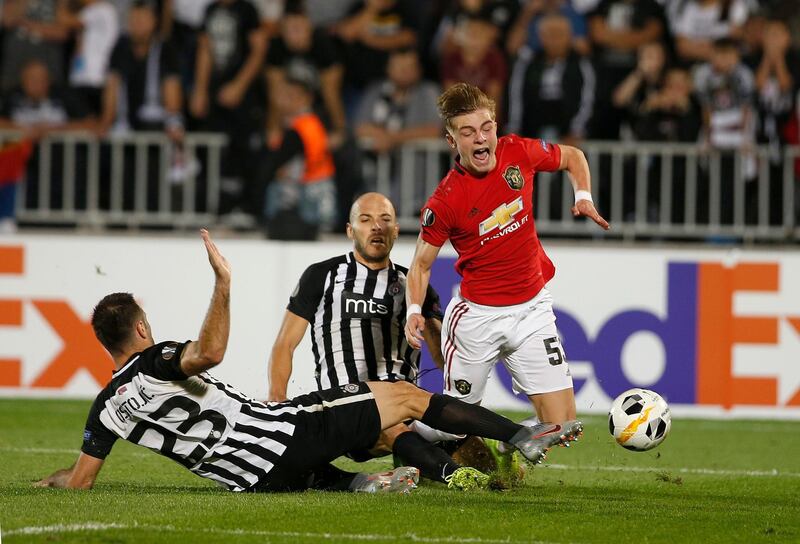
[{"x": 415, "y": 324}]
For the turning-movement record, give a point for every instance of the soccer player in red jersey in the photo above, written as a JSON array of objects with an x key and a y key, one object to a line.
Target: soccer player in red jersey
[{"x": 503, "y": 311}]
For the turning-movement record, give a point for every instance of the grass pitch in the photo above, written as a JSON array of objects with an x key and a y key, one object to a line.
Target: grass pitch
[{"x": 710, "y": 481}]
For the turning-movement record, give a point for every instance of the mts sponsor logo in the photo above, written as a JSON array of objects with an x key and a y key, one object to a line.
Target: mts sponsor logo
[
  {"x": 710, "y": 352},
  {"x": 80, "y": 350},
  {"x": 358, "y": 306}
]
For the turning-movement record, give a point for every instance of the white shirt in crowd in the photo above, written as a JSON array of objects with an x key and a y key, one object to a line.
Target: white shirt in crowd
[
  {"x": 189, "y": 12},
  {"x": 269, "y": 10},
  {"x": 327, "y": 12},
  {"x": 95, "y": 43},
  {"x": 696, "y": 21}
]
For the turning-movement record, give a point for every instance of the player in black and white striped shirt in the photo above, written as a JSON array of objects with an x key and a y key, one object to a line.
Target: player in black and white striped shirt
[
  {"x": 161, "y": 397},
  {"x": 355, "y": 307}
]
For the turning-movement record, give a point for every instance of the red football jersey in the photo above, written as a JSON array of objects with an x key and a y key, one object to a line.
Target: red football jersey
[{"x": 489, "y": 221}]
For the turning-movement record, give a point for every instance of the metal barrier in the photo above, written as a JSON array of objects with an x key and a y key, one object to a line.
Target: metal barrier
[
  {"x": 646, "y": 190},
  {"x": 74, "y": 178}
]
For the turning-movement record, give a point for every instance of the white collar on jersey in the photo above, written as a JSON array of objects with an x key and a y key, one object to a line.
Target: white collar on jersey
[{"x": 129, "y": 363}]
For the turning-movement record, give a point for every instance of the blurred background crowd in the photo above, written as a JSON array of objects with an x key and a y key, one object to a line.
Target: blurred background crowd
[{"x": 306, "y": 90}]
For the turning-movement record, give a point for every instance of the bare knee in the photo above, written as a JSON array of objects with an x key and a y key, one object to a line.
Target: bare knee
[
  {"x": 413, "y": 399},
  {"x": 399, "y": 401}
]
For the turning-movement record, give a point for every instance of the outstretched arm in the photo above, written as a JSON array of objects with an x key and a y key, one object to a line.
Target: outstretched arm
[
  {"x": 574, "y": 162},
  {"x": 81, "y": 475},
  {"x": 419, "y": 276},
  {"x": 292, "y": 331},
  {"x": 209, "y": 349}
]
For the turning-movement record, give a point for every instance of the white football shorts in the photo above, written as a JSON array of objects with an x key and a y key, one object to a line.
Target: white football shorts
[{"x": 524, "y": 336}]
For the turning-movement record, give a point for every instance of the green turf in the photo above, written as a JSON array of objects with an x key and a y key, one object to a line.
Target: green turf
[{"x": 707, "y": 482}]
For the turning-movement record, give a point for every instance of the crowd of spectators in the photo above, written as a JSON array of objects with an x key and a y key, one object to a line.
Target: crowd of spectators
[{"x": 723, "y": 73}]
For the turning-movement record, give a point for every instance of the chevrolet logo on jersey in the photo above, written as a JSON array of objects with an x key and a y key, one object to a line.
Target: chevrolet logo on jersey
[{"x": 501, "y": 217}]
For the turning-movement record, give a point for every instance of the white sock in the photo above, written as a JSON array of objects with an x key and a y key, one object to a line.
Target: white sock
[
  {"x": 433, "y": 435},
  {"x": 530, "y": 421}
]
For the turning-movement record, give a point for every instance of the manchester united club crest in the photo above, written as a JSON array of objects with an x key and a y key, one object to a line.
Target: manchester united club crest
[
  {"x": 463, "y": 387},
  {"x": 514, "y": 178}
]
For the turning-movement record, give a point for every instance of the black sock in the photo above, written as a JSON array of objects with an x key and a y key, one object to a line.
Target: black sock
[
  {"x": 432, "y": 462},
  {"x": 454, "y": 416}
]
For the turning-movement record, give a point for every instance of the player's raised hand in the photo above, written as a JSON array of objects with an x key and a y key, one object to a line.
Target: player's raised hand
[
  {"x": 586, "y": 208},
  {"x": 415, "y": 324},
  {"x": 220, "y": 265}
]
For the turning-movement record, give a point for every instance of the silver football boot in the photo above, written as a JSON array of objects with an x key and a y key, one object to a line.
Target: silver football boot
[
  {"x": 534, "y": 442},
  {"x": 398, "y": 480}
]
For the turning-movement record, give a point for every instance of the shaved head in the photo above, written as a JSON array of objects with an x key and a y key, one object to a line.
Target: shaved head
[
  {"x": 370, "y": 201},
  {"x": 373, "y": 229}
]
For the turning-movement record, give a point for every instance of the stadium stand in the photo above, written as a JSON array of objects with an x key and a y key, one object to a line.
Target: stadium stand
[{"x": 688, "y": 149}]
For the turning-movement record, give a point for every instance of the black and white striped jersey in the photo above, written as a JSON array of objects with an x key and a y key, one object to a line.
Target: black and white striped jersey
[
  {"x": 357, "y": 318},
  {"x": 203, "y": 424}
]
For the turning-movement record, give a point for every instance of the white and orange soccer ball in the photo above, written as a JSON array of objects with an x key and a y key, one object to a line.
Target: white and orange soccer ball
[{"x": 639, "y": 419}]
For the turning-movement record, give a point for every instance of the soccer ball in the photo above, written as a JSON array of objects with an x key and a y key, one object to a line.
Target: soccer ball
[{"x": 639, "y": 419}]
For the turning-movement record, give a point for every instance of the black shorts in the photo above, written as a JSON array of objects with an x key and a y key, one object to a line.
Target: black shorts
[
  {"x": 330, "y": 423},
  {"x": 366, "y": 454}
]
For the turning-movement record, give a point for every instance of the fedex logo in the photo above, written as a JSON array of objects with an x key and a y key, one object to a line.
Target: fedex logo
[
  {"x": 80, "y": 349},
  {"x": 704, "y": 340}
]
